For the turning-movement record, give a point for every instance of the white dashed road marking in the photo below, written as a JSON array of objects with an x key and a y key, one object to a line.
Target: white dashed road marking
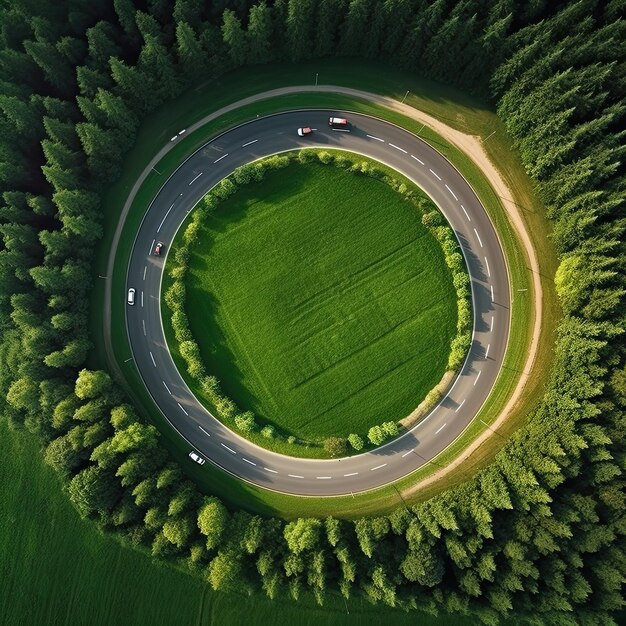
[
  {"x": 163, "y": 220},
  {"x": 452, "y": 192},
  {"x": 195, "y": 179},
  {"x": 435, "y": 174},
  {"x": 152, "y": 357},
  {"x": 181, "y": 408},
  {"x": 294, "y": 476},
  {"x": 491, "y": 292},
  {"x": 442, "y": 427},
  {"x": 457, "y": 408},
  {"x": 145, "y": 269},
  {"x": 477, "y": 377},
  {"x": 229, "y": 449},
  {"x": 407, "y": 453},
  {"x": 249, "y": 143},
  {"x": 142, "y": 299},
  {"x": 469, "y": 219},
  {"x": 323, "y": 477},
  {"x": 487, "y": 350},
  {"x": 204, "y": 431},
  {"x": 398, "y": 148},
  {"x": 418, "y": 160},
  {"x": 222, "y": 157},
  {"x": 352, "y": 474},
  {"x": 246, "y": 460},
  {"x": 143, "y": 323},
  {"x": 487, "y": 266},
  {"x": 377, "y": 467},
  {"x": 478, "y": 236},
  {"x": 168, "y": 389},
  {"x": 376, "y": 138},
  {"x": 491, "y": 327},
  {"x": 270, "y": 470}
]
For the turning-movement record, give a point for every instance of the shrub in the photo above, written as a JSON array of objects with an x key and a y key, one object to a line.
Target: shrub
[
  {"x": 335, "y": 446},
  {"x": 268, "y": 431},
  {"x": 245, "y": 422},
  {"x": 432, "y": 219},
  {"x": 376, "y": 435},
  {"x": 355, "y": 441}
]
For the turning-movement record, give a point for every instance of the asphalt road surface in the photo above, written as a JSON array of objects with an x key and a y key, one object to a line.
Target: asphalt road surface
[{"x": 415, "y": 159}]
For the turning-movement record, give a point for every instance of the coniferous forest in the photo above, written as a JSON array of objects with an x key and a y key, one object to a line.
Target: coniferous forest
[{"x": 539, "y": 533}]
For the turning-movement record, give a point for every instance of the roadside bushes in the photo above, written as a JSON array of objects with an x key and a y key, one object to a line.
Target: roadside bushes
[{"x": 254, "y": 172}]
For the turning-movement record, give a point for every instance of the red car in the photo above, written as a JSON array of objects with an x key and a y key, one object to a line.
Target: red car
[
  {"x": 158, "y": 248},
  {"x": 304, "y": 131}
]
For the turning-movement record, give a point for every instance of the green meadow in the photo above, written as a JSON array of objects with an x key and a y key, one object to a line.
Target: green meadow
[{"x": 320, "y": 301}]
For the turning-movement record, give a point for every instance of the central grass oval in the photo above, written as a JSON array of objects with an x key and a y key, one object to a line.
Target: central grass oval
[{"x": 320, "y": 301}]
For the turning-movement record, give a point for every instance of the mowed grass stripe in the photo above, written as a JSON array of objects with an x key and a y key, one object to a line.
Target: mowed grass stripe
[{"x": 320, "y": 301}]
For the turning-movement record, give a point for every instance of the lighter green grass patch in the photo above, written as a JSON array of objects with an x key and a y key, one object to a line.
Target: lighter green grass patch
[{"x": 320, "y": 302}]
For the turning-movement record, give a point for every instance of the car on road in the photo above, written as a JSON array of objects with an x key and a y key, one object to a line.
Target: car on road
[
  {"x": 131, "y": 296},
  {"x": 338, "y": 122},
  {"x": 197, "y": 458},
  {"x": 158, "y": 248},
  {"x": 304, "y": 131}
]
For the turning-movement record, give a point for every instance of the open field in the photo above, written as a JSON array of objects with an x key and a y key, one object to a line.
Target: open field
[{"x": 320, "y": 302}]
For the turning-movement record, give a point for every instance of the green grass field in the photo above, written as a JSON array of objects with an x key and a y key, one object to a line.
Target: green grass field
[{"x": 320, "y": 301}]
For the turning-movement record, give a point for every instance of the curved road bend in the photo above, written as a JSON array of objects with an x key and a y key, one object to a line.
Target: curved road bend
[{"x": 490, "y": 291}]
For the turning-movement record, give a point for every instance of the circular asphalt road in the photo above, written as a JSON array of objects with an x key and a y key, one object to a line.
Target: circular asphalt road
[{"x": 485, "y": 260}]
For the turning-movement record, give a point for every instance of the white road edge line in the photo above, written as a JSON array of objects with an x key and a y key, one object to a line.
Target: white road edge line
[
  {"x": 479, "y": 239},
  {"x": 163, "y": 220},
  {"x": 376, "y": 138},
  {"x": 452, "y": 192},
  {"x": 249, "y": 143},
  {"x": 377, "y": 467},
  {"x": 469, "y": 219},
  {"x": 152, "y": 357},
  {"x": 435, "y": 174},
  {"x": 270, "y": 470},
  {"x": 407, "y": 453},
  {"x": 418, "y": 160},
  {"x": 181, "y": 408},
  {"x": 393, "y": 145},
  {"x": 246, "y": 460},
  {"x": 195, "y": 179},
  {"x": 168, "y": 389},
  {"x": 352, "y": 474},
  {"x": 457, "y": 408},
  {"x": 487, "y": 351},
  {"x": 487, "y": 265},
  {"x": 229, "y": 449},
  {"x": 222, "y": 157},
  {"x": 294, "y": 476},
  {"x": 204, "y": 431},
  {"x": 442, "y": 427},
  {"x": 477, "y": 377}
]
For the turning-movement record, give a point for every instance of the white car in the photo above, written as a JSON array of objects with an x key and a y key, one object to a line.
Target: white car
[
  {"x": 131, "y": 296},
  {"x": 197, "y": 458},
  {"x": 338, "y": 122}
]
